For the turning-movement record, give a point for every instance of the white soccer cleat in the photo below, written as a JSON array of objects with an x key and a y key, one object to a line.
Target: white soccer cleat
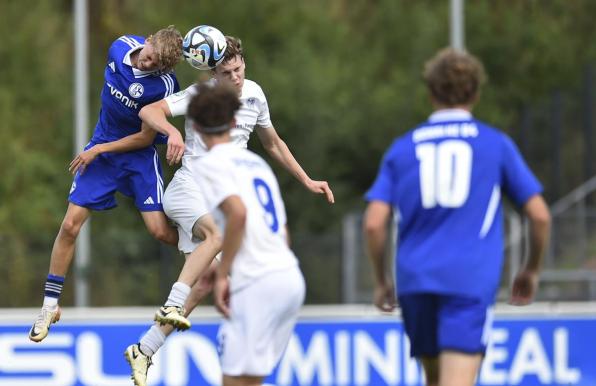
[
  {"x": 139, "y": 364},
  {"x": 41, "y": 327},
  {"x": 174, "y": 316}
]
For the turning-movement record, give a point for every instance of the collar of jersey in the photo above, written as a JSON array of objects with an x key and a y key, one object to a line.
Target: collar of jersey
[
  {"x": 224, "y": 146},
  {"x": 450, "y": 115},
  {"x": 137, "y": 73}
]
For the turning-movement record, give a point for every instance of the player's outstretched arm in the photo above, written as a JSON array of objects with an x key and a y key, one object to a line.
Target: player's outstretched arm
[
  {"x": 278, "y": 149},
  {"x": 525, "y": 283},
  {"x": 156, "y": 116},
  {"x": 136, "y": 141},
  {"x": 376, "y": 217}
]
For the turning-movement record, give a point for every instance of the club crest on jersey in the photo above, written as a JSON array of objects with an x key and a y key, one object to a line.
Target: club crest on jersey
[
  {"x": 136, "y": 90},
  {"x": 250, "y": 102}
]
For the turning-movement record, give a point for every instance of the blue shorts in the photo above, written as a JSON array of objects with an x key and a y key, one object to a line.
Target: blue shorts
[
  {"x": 436, "y": 323},
  {"x": 135, "y": 174}
]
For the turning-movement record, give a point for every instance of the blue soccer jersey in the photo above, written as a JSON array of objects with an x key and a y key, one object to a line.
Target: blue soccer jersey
[
  {"x": 136, "y": 174},
  {"x": 126, "y": 90},
  {"x": 444, "y": 179}
]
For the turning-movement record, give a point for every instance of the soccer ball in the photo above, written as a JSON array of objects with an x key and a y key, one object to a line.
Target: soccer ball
[{"x": 204, "y": 47}]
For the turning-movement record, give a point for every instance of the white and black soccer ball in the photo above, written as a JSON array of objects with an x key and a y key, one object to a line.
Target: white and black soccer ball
[{"x": 204, "y": 47}]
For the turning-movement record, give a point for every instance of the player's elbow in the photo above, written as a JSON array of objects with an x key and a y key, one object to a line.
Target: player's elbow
[
  {"x": 240, "y": 217},
  {"x": 372, "y": 225},
  {"x": 375, "y": 218},
  {"x": 147, "y": 111},
  {"x": 537, "y": 212}
]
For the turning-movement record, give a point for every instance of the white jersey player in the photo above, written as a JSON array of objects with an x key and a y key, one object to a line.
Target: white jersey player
[
  {"x": 258, "y": 271},
  {"x": 182, "y": 200}
]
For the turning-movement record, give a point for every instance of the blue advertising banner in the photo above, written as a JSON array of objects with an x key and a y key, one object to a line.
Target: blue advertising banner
[{"x": 334, "y": 351}]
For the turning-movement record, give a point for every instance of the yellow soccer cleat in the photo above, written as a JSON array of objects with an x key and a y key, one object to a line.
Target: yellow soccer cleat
[
  {"x": 174, "y": 316},
  {"x": 41, "y": 327},
  {"x": 139, "y": 364}
]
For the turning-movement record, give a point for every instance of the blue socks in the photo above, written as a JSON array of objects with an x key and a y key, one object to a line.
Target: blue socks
[{"x": 53, "y": 289}]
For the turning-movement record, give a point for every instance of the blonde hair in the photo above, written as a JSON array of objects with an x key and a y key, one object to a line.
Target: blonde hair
[
  {"x": 167, "y": 44},
  {"x": 454, "y": 77}
]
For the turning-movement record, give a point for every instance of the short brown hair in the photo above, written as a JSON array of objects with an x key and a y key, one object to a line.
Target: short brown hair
[
  {"x": 234, "y": 49},
  {"x": 214, "y": 106},
  {"x": 167, "y": 43},
  {"x": 454, "y": 77}
]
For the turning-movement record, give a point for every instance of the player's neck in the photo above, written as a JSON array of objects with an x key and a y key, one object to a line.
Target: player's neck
[
  {"x": 439, "y": 106},
  {"x": 212, "y": 140},
  {"x": 134, "y": 58}
]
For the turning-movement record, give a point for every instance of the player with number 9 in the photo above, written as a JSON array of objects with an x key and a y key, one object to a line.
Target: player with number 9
[
  {"x": 444, "y": 178},
  {"x": 256, "y": 262}
]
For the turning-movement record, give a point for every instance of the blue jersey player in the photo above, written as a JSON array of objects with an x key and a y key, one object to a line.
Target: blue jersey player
[
  {"x": 138, "y": 72},
  {"x": 444, "y": 180}
]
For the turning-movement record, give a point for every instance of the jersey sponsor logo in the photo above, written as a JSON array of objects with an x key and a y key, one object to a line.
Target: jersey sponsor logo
[
  {"x": 149, "y": 201},
  {"x": 122, "y": 98},
  {"x": 136, "y": 90},
  {"x": 112, "y": 66}
]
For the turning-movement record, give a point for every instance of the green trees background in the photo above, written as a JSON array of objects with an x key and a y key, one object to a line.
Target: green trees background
[{"x": 342, "y": 78}]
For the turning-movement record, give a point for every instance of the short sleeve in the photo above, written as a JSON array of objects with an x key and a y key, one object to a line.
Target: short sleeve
[
  {"x": 178, "y": 102},
  {"x": 383, "y": 187},
  {"x": 264, "y": 119},
  {"x": 216, "y": 180},
  {"x": 519, "y": 183}
]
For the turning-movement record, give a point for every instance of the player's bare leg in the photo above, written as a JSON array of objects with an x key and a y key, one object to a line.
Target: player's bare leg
[
  {"x": 158, "y": 227},
  {"x": 197, "y": 262},
  {"x": 140, "y": 359},
  {"x": 243, "y": 380},
  {"x": 458, "y": 369},
  {"x": 201, "y": 260},
  {"x": 431, "y": 370},
  {"x": 61, "y": 258}
]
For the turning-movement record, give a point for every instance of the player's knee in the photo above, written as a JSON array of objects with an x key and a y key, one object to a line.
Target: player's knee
[
  {"x": 162, "y": 233},
  {"x": 208, "y": 233},
  {"x": 70, "y": 228}
]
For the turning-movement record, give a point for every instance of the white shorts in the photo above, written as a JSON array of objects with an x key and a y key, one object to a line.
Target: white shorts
[
  {"x": 262, "y": 319},
  {"x": 184, "y": 204}
]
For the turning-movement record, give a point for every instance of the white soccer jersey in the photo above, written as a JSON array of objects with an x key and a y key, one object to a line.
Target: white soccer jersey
[
  {"x": 253, "y": 111},
  {"x": 229, "y": 170}
]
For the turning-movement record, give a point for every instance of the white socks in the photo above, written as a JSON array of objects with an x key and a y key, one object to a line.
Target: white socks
[
  {"x": 178, "y": 295},
  {"x": 152, "y": 341},
  {"x": 50, "y": 301},
  {"x": 155, "y": 338}
]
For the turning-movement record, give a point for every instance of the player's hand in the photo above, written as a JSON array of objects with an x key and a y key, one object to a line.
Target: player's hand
[
  {"x": 221, "y": 295},
  {"x": 321, "y": 187},
  {"x": 524, "y": 288},
  {"x": 175, "y": 148},
  {"x": 384, "y": 297},
  {"x": 81, "y": 161}
]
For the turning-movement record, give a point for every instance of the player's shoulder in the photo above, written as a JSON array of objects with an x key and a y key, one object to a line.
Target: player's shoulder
[
  {"x": 252, "y": 89},
  {"x": 493, "y": 135},
  {"x": 128, "y": 42}
]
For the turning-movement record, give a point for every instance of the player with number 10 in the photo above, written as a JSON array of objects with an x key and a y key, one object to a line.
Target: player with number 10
[{"x": 444, "y": 180}]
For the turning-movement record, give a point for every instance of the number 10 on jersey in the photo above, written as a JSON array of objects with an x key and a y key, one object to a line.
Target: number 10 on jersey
[{"x": 445, "y": 172}]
